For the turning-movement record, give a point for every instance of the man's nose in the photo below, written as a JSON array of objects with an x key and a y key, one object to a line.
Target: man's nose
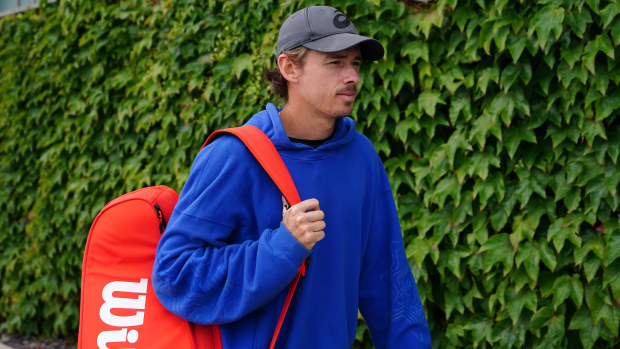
[{"x": 352, "y": 75}]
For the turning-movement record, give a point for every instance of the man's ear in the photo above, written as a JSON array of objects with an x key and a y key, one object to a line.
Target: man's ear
[{"x": 288, "y": 69}]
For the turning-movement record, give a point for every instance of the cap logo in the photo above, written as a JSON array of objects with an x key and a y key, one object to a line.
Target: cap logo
[{"x": 341, "y": 21}]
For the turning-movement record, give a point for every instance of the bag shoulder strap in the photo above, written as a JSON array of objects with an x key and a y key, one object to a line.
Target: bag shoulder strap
[{"x": 267, "y": 155}]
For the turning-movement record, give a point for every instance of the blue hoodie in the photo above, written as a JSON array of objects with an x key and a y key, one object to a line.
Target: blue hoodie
[{"x": 226, "y": 258}]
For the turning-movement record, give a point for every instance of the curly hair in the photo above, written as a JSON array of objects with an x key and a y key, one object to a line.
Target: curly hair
[{"x": 274, "y": 76}]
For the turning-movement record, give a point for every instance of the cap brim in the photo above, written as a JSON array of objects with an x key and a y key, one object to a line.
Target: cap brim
[{"x": 371, "y": 49}]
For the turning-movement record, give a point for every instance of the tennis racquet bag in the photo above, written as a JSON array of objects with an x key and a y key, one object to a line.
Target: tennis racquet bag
[{"x": 118, "y": 306}]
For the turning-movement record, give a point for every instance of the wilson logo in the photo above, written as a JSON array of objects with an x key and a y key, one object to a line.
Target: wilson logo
[{"x": 114, "y": 305}]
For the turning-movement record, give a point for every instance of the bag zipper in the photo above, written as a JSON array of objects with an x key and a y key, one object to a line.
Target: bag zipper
[{"x": 160, "y": 215}]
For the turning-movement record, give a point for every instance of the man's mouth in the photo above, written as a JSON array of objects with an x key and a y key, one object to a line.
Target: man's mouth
[{"x": 348, "y": 92}]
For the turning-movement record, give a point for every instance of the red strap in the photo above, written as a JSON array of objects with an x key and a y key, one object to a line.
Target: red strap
[
  {"x": 287, "y": 302},
  {"x": 267, "y": 155}
]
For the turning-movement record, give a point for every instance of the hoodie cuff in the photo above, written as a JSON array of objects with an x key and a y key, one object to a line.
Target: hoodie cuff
[{"x": 287, "y": 247}]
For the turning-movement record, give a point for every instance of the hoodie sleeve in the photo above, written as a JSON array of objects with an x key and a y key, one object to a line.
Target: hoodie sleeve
[
  {"x": 212, "y": 265},
  {"x": 389, "y": 299}
]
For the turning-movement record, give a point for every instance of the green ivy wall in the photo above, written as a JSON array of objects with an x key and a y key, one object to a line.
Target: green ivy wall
[{"x": 497, "y": 120}]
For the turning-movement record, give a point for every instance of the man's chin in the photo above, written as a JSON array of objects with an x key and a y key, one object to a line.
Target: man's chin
[
  {"x": 346, "y": 111},
  {"x": 343, "y": 115}
]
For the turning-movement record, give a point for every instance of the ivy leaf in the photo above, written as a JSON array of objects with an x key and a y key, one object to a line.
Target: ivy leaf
[
  {"x": 428, "y": 100},
  {"x": 591, "y": 267},
  {"x": 600, "y": 44},
  {"x": 509, "y": 75},
  {"x": 500, "y": 36},
  {"x": 561, "y": 290},
  {"x": 571, "y": 54},
  {"x": 567, "y": 74},
  {"x": 403, "y": 74},
  {"x": 485, "y": 189},
  {"x": 512, "y": 137},
  {"x": 480, "y": 328},
  {"x": 576, "y": 291},
  {"x": 485, "y": 36},
  {"x": 461, "y": 104},
  {"x": 613, "y": 148},
  {"x": 529, "y": 256},
  {"x": 615, "y": 32},
  {"x": 547, "y": 255},
  {"x": 592, "y": 128},
  {"x": 516, "y": 45},
  {"x": 456, "y": 141},
  {"x": 462, "y": 16},
  {"x": 418, "y": 249},
  {"x": 581, "y": 320},
  {"x": 121, "y": 78},
  {"x": 573, "y": 199},
  {"x": 482, "y": 126},
  {"x": 222, "y": 69},
  {"x": 524, "y": 191},
  {"x": 453, "y": 261},
  {"x": 415, "y": 50},
  {"x": 503, "y": 105},
  {"x": 541, "y": 317},
  {"x": 515, "y": 307},
  {"x": 612, "y": 250},
  {"x": 548, "y": 19},
  {"x": 595, "y": 301},
  {"x": 446, "y": 187},
  {"x": 428, "y": 21},
  {"x": 609, "y": 12},
  {"x": 454, "y": 332},
  {"x": 606, "y": 105},
  {"x": 498, "y": 249},
  {"x": 558, "y": 232},
  {"x": 480, "y": 162},
  {"x": 611, "y": 317},
  {"x": 361, "y": 329},
  {"x": 611, "y": 278},
  {"x": 404, "y": 126},
  {"x": 485, "y": 76},
  {"x": 500, "y": 213},
  {"x": 451, "y": 79},
  {"x": 242, "y": 63},
  {"x": 578, "y": 21},
  {"x": 556, "y": 331}
]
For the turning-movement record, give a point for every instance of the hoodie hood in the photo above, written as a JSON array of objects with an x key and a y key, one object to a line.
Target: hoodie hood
[{"x": 270, "y": 123}]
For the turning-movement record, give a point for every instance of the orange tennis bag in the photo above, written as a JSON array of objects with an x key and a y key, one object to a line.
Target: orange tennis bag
[{"x": 118, "y": 306}]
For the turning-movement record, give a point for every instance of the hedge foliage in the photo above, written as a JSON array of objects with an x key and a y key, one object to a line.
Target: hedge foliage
[{"x": 497, "y": 120}]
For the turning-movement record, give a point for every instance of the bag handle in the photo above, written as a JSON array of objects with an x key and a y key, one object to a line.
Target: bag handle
[{"x": 267, "y": 155}]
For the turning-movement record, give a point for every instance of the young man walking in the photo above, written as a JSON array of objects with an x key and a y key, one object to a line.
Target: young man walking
[{"x": 230, "y": 249}]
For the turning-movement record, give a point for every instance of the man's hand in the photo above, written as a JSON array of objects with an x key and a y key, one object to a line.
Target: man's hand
[{"x": 305, "y": 222}]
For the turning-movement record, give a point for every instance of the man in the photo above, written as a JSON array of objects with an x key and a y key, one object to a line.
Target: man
[{"x": 229, "y": 252}]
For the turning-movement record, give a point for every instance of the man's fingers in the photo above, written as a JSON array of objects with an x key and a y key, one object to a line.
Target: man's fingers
[
  {"x": 318, "y": 226},
  {"x": 305, "y": 221},
  {"x": 311, "y": 216},
  {"x": 307, "y": 205}
]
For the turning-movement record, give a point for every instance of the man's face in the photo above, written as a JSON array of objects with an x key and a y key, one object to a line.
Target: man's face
[{"x": 328, "y": 82}]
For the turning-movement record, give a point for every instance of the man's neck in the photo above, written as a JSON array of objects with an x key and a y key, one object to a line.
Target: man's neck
[{"x": 302, "y": 124}]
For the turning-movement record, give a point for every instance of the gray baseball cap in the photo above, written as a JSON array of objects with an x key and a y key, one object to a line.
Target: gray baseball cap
[{"x": 325, "y": 29}]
